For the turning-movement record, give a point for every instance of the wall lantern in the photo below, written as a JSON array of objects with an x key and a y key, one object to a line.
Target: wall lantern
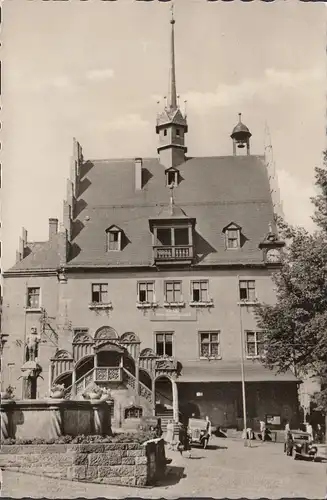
[{"x": 199, "y": 394}]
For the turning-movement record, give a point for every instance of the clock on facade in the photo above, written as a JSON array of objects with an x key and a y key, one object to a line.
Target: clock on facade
[{"x": 273, "y": 255}]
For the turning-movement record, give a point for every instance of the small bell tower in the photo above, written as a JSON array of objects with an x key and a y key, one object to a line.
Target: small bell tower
[
  {"x": 241, "y": 138},
  {"x": 171, "y": 123}
]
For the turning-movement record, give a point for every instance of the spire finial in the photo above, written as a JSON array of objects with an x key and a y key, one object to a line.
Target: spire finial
[
  {"x": 240, "y": 117},
  {"x": 172, "y": 95},
  {"x": 172, "y": 21}
]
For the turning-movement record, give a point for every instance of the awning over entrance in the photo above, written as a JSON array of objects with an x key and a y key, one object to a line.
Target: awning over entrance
[{"x": 230, "y": 371}]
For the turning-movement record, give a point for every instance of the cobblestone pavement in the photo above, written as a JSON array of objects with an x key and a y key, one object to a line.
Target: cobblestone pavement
[{"x": 227, "y": 469}]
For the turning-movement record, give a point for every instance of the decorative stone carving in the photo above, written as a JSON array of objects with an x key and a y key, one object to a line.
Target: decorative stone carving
[
  {"x": 105, "y": 333},
  {"x": 82, "y": 338},
  {"x": 62, "y": 354},
  {"x": 32, "y": 341},
  {"x": 129, "y": 337},
  {"x": 166, "y": 364},
  {"x": 56, "y": 422},
  {"x": 4, "y": 425},
  {"x": 148, "y": 353}
]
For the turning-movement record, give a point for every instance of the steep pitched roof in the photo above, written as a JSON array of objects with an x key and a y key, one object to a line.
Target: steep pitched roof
[
  {"x": 214, "y": 190},
  {"x": 40, "y": 255}
]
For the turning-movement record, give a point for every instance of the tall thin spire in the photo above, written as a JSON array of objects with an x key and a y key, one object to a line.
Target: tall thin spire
[{"x": 172, "y": 94}]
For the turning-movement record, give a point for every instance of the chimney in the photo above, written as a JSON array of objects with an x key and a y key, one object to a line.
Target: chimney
[
  {"x": 138, "y": 174},
  {"x": 53, "y": 228}
]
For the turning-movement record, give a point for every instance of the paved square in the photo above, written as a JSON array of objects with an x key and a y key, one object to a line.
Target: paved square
[{"x": 227, "y": 469}]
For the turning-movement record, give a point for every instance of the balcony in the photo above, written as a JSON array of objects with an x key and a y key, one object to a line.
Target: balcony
[
  {"x": 108, "y": 374},
  {"x": 173, "y": 254}
]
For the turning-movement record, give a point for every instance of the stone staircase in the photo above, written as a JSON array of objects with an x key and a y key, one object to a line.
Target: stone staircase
[{"x": 128, "y": 378}]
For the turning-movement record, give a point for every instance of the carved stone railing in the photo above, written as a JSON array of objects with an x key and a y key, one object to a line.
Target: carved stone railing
[
  {"x": 180, "y": 252},
  {"x": 83, "y": 382},
  {"x": 143, "y": 389},
  {"x": 108, "y": 374}
]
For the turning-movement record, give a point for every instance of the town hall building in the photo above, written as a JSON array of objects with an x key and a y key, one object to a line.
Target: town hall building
[{"x": 149, "y": 286}]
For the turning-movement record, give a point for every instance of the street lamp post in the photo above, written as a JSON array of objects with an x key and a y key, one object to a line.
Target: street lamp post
[{"x": 246, "y": 442}]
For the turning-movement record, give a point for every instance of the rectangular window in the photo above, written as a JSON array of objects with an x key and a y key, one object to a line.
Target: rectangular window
[
  {"x": 199, "y": 290},
  {"x": 247, "y": 290},
  {"x": 100, "y": 293},
  {"x": 178, "y": 132},
  {"x": 33, "y": 298},
  {"x": 172, "y": 178},
  {"x": 164, "y": 236},
  {"x": 145, "y": 291},
  {"x": 173, "y": 291},
  {"x": 209, "y": 345},
  {"x": 114, "y": 239},
  {"x": 233, "y": 238},
  {"x": 164, "y": 343},
  {"x": 254, "y": 344},
  {"x": 181, "y": 236}
]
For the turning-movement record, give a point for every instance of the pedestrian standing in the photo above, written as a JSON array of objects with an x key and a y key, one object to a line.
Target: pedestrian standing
[
  {"x": 263, "y": 430},
  {"x": 310, "y": 430},
  {"x": 170, "y": 434},
  {"x": 184, "y": 440}
]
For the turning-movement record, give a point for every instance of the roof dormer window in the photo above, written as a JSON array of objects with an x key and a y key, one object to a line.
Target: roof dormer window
[
  {"x": 114, "y": 239},
  {"x": 172, "y": 177},
  {"x": 232, "y": 236}
]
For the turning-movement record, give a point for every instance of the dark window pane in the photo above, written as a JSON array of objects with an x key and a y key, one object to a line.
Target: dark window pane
[
  {"x": 204, "y": 351},
  {"x": 181, "y": 236},
  {"x": 164, "y": 236},
  {"x": 196, "y": 295},
  {"x": 160, "y": 348},
  {"x": 142, "y": 296},
  {"x": 169, "y": 349},
  {"x": 243, "y": 293}
]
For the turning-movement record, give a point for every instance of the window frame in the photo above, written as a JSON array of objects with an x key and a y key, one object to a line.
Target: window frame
[
  {"x": 147, "y": 301},
  {"x": 248, "y": 299},
  {"x": 100, "y": 292},
  {"x": 173, "y": 282},
  {"x": 229, "y": 238},
  {"x": 113, "y": 231},
  {"x": 175, "y": 181},
  {"x": 255, "y": 342},
  {"x": 204, "y": 301},
  {"x": 210, "y": 332},
  {"x": 164, "y": 333},
  {"x": 33, "y": 308}
]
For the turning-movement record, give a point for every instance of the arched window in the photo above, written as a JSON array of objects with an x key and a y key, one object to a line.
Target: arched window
[{"x": 133, "y": 412}]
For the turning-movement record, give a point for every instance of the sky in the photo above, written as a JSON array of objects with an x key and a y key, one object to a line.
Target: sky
[{"x": 95, "y": 70}]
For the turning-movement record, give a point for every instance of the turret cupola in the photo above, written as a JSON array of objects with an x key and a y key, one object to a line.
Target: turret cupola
[
  {"x": 171, "y": 123},
  {"x": 241, "y": 138}
]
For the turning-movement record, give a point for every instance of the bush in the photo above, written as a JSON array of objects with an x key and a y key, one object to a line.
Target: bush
[{"x": 139, "y": 437}]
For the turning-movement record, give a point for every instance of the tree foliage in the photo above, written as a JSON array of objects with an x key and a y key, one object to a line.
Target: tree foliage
[{"x": 295, "y": 327}]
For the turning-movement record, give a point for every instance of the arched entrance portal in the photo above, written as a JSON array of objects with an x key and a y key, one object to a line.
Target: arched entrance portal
[{"x": 166, "y": 399}]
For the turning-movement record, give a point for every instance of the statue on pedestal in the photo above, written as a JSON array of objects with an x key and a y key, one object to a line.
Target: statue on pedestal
[{"x": 32, "y": 342}]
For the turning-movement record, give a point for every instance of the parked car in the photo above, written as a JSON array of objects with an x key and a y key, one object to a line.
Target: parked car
[
  {"x": 198, "y": 431},
  {"x": 299, "y": 445}
]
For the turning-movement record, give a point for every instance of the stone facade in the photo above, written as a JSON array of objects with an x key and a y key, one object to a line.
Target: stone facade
[{"x": 129, "y": 464}]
